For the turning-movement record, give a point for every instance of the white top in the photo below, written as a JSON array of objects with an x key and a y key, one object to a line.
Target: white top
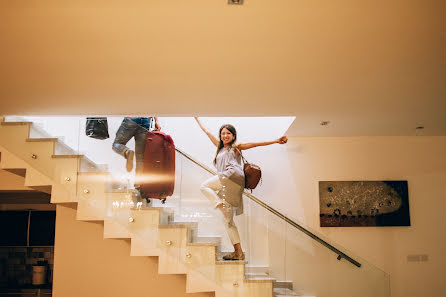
[{"x": 232, "y": 177}]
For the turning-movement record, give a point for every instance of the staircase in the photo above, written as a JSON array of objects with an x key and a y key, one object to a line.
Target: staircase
[{"x": 152, "y": 230}]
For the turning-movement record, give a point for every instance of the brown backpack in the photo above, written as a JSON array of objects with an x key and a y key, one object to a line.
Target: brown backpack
[{"x": 253, "y": 173}]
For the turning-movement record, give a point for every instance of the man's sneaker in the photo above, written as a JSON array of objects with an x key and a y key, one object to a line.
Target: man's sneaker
[
  {"x": 136, "y": 196},
  {"x": 141, "y": 194},
  {"x": 129, "y": 163}
]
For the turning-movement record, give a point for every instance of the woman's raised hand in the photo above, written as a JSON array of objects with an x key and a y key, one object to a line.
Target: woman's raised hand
[
  {"x": 214, "y": 140},
  {"x": 282, "y": 140}
]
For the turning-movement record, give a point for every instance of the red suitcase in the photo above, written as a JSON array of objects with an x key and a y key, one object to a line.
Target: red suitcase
[{"x": 159, "y": 166}]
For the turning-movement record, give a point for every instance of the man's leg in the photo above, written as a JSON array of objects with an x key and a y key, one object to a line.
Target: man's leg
[{"x": 123, "y": 135}]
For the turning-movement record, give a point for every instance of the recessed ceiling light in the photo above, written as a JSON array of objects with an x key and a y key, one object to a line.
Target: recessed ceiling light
[
  {"x": 325, "y": 123},
  {"x": 236, "y": 2}
]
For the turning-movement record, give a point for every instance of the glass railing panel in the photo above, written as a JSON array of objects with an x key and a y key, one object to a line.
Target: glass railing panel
[
  {"x": 199, "y": 255},
  {"x": 276, "y": 243},
  {"x": 313, "y": 269},
  {"x": 105, "y": 191},
  {"x": 113, "y": 197},
  {"x": 264, "y": 238},
  {"x": 194, "y": 206},
  {"x": 310, "y": 264}
]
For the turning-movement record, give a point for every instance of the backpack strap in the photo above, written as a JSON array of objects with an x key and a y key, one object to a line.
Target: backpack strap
[
  {"x": 243, "y": 158},
  {"x": 245, "y": 162}
]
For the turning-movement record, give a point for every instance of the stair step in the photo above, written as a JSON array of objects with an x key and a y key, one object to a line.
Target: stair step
[
  {"x": 95, "y": 173},
  {"x": 164, "y": 210},
  {"x": 256, "y": 269},
  {"x": 192, "y": 225},
  {"x": 212, "y": 241},
  {"x": 283, "y": 292},
  {"x": 47, "y": 139},
  {"x": 15, "y": 123},
  {"x": 259, "y": 278},
  {"x": 284, "y": 285},
  {"x": 66, "y": 156},
  {"x": 166, "y": 213},
  {"x": 226, "y": 262},
  {"x": 221, "y": 261},
  {"x": 122, "y": 190},
  {"x": 251, "y": 274}
]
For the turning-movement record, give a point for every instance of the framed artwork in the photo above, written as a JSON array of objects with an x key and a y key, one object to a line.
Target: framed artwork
[{"x": 363, "y": 203}]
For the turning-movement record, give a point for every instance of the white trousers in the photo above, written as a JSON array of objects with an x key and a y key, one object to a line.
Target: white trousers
[{"x": 209, "y": 189}]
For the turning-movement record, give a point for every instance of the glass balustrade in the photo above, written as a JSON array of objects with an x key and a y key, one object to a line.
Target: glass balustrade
[{"x": 274, "y": 247}]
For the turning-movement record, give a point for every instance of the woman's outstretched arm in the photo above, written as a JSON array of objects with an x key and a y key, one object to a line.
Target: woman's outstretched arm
[
  {"x": 249, "y": 145},
  {"x": 209, "y": 134}
]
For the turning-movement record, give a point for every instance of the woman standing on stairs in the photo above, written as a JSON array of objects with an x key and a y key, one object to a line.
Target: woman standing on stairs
[{"x": 226, "y": 188}]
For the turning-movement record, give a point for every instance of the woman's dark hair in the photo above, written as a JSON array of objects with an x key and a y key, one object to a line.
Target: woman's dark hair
[{"x": 231, "y": 129}]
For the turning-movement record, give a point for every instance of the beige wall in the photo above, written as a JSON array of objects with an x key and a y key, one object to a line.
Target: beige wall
[
  {"x": 88, "y": 265},
  {"x": 290, "y": 184}
]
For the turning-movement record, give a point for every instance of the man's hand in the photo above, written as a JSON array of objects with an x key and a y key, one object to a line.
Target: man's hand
[{"x": 157, "y": 125}]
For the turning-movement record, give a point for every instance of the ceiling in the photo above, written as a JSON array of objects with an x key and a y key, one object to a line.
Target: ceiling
[{"x": 370, "y": 67}]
